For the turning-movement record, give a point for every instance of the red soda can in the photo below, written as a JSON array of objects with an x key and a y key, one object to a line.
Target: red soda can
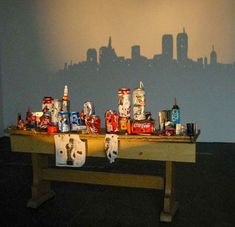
[
  {"x": 145, "y": 127},
  {"x": 47, "y": 104},
  {"x": 93, "y": 124},
  {"x": 111, "y": 121},
  {"x": 45, "y": 120}
]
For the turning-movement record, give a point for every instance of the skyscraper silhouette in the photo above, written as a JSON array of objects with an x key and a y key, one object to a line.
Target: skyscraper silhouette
[
  {"x": 182, "y": 47},
  {"x": 92, "y": 56},
  {"x": 213, "y": 56},
  {"x": 107, "y": 54},
  {"x": 167, "y": 47},
  {"x": 135, "y": 52}
]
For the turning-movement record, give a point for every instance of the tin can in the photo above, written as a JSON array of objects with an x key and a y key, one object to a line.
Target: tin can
[
  {"x": 111, "y": 121},
  {"x": 88, "y": 108},
  {"x": 124, "y": 103},
  {"x": 63, "y": 123},
  {"x": 45, "y": 120},
  {"x": 138, "y": 100},
  {"x": 123, "y": 124},
  {"x": 36, "y": 116},
  {"x": 93, "y": 124},
  {"x": 164, "y": 116},
  {"x": 142, "y": 127},
  {"x": 75, "y": 121},
  {"x": 47, "y": 104},
  {"x": 56, "y": 108}
]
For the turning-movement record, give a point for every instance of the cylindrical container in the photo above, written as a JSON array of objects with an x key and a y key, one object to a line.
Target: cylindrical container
[
  {"x": 45, "y": 120},
  {"x": 142, "y": 127},
  {"x": 93, "y": 124},
  {"x": 56, "y": 108},
  {"x": 190, "y": 129},
  {"x": 75, "y": 121},
  {"x": 88, "y": 108},
  {"x": 111, "y": 121},
  {"x": 47, "y": 104},
  {"x": 123, "y": 124},
  {"x": 124, "y": 103},
  {"x": 138, "y": 100},
  {"x": 138, "y": 113},
  {"x": 64, "y": 125},
  {"x": 65, "y": 106},
  {"x": 162, "y": 115}
]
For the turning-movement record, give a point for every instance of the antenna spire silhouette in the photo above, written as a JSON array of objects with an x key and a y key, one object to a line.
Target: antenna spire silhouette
[{"x": 110, "y": 42}]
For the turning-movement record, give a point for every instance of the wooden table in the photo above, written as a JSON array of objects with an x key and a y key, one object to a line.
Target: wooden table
[{"x": 169, "y": 149}]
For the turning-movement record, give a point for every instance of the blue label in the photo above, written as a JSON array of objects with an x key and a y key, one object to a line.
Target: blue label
[{"x": 175, "y": 116}]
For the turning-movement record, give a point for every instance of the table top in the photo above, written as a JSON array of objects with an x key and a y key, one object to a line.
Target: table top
[
  {"x": 142, "y": 147},
  {"x": 152, "y": 138}
]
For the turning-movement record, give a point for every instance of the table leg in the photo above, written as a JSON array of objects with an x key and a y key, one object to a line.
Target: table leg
[
  {"x": 170, "y": 206},
  {"x": 41, "y": 191}
]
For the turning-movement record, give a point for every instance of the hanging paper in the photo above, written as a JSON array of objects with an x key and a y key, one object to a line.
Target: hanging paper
[
  {"x": 111, "y": 147},
  {"x": 70, "y": 150}
]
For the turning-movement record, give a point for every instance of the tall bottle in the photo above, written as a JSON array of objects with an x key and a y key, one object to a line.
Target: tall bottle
[
  {"x": 175, "y": 113},
  {"x": 65, "y": 100}
]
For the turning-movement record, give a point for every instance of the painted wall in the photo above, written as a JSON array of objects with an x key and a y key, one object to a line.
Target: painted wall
[
  {"x": 1, "y": 98},
  {"x": 38, "y": 37}
]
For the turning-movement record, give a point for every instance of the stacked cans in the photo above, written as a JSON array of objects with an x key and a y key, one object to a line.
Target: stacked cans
[
  {"x": 124, "y": 108},
  {"x": 138, "y": 99}
]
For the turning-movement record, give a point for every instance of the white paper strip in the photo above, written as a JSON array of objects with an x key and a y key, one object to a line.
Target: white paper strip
[
  {"x": 70, "y": 150},
  {"x": 111, "y": 147}
]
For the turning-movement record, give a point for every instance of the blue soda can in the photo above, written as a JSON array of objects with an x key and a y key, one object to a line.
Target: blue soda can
[
  {"x": 75, "y": 121},
  {"x": 64, "y": 121}
]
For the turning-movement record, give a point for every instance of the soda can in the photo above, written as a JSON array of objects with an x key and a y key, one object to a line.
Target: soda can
[
  {"x": 36, "y": 116},
  {"x": 88, "y": 108},
  {"x": 123, "y": 124},
  {"x": 56, "y": 108},
  {"x": 124, "y": 103},
  {"x": 75, "y": 121},
  {"x": 93, "y": 124},
  {"x": 138, "y": 100},
  {"x": 45, "y": 120},
  {"x": 164, "y": 116},
  {"x": 47, "y": 104},
  {"x": 111, "y": 121},
  {"x": 64, "y": 123},
  {"x": 138, "y": 113},
  {"x": 142, "y": 127}
]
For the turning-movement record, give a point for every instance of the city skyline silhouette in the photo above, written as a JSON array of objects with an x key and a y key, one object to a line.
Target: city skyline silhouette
[{"x": 107, "y": 56}]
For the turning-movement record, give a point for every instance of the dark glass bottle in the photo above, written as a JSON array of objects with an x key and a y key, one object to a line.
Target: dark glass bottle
[{"x": 175, "y": 113}]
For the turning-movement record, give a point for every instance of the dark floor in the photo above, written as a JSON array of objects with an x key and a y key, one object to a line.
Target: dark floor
[{"x": 205, "y": 192}]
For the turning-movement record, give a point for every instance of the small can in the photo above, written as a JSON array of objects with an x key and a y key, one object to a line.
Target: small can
[
  {"x": 88, "y": 108},
  {"x": 75, "y": 121},
  {"x": 45, "y": 120},
  {"x": 164, "y": 116},
  {"x": 138, "y": 100},
  {"x": 124, "y": 103},
  {"x": 111, "y": 121},
  {"x": 93, "y": 124},
  {"x": 138, "y": 113},
  {"x": 36, "y": 116},
  {"x": 63, "y": 123},
  {"x": 142, "y": 127},
  {"x": 47, "y": 104},
  {"x": 56, "y": 108},
  {"x": 123, "y": 124}
]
